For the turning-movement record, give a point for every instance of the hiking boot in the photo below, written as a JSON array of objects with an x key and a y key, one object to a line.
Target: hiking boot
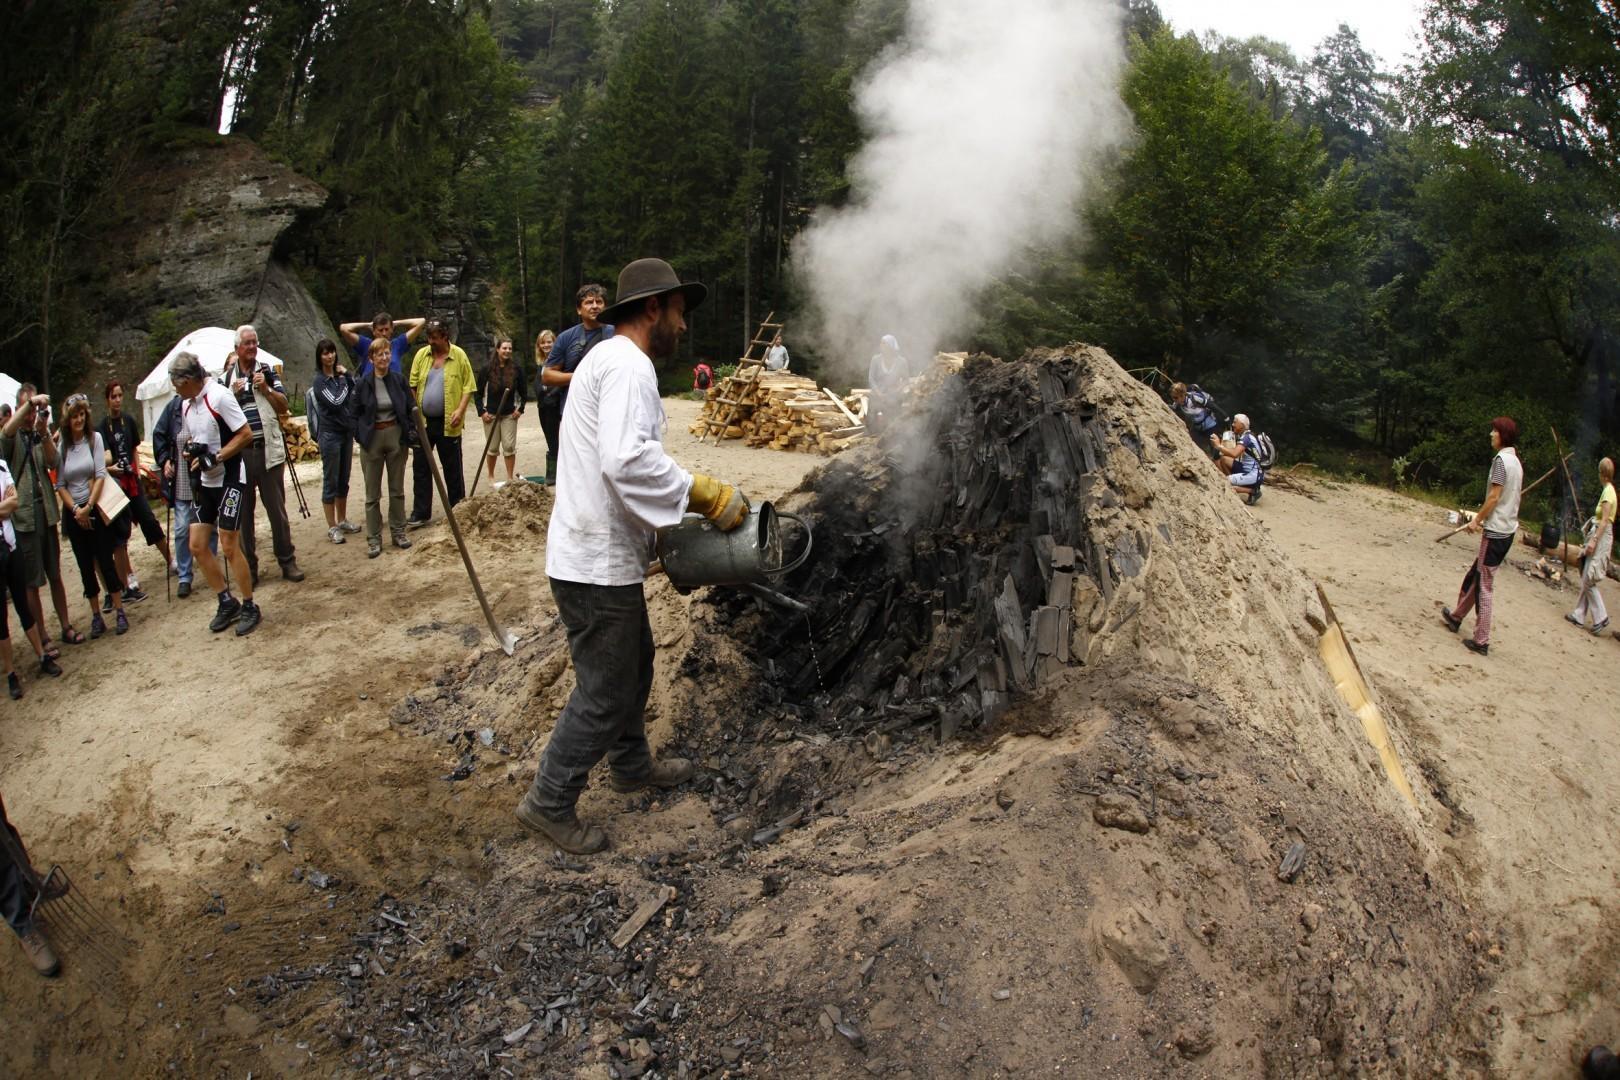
[
  {"x": 570, "y": 834},
  {"x": 14, "y": 686},
  {"x": 1452, "y": 624},
  {"x": 248, "y": 619},
  {"x": 121, "y": 623},
  {"x": 49, "y": 666},
  {"x": 664, "y": 774},
  {"x": 134, "y": 594},
  {"x": 290, "y": 572},
  {"x": 348, "y": 526},
  {"x": 335, "y": 534},
  {"x": 40, "y": 953},
  {"x": 184, "y": 590},
  {"x": 373, "y": 548},
  {"x": 1473, "y": 646},
  {"x": 400, "y": 541},
  {"x": 228, "y": 610},
  {"x": 98, "y": 626}
]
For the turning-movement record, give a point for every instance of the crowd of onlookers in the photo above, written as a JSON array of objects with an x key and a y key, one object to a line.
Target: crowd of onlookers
[{"x": 219, "y": 452}]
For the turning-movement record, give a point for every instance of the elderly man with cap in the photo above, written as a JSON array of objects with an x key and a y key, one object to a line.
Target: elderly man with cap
[{"x": 616, "y": 486}]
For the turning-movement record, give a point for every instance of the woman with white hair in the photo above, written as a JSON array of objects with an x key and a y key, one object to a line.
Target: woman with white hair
[{"x": 1240, "y": 459}]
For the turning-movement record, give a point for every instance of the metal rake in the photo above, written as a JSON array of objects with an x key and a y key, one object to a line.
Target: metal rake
[{"x": 73, "y": 919}]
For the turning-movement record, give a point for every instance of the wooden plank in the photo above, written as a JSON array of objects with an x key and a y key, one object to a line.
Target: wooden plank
[
  {"x": 642, "y": 915},
  {"x": 849, "y": 415}
]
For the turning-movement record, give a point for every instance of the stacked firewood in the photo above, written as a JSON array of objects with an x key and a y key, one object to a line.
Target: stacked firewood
[
  {"x": 300, "y": 447},
  {"x": 783, "y": 411}
]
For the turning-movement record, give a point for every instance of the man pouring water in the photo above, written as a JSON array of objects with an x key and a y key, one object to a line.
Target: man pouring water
[{"x": 617, "y": 485}]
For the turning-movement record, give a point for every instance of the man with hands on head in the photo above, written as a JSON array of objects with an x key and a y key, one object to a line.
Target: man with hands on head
[
  {"x": 382, "y": 327},
  {"x": 617, "y": 487}
]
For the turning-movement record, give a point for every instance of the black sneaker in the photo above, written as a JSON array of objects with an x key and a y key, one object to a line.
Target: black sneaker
[
  {"x": 134, "y": 595},
  {"x": 50, "y": 667},
  {"x": 14, "y": 685},
  {"x": 418, "y": 522},
  {"x": 249, "y": 618},
  {"x": 226, "y": 614},
  {"x": 1473, "y": 646},
  {"x": 106, "y": 602},
  {"x": 184, "y": 590}
]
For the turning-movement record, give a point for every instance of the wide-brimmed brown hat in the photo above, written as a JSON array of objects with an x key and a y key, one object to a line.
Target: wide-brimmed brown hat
[{"x": 650, "y": 277}]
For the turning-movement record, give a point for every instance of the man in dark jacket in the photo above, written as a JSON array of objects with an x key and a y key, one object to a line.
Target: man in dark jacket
[{"x": 17, "y": 896}]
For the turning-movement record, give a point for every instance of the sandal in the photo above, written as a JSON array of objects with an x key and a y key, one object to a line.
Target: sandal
[
  {"x": 72, "y": 636},
  {"x": 51, "y": 650}
]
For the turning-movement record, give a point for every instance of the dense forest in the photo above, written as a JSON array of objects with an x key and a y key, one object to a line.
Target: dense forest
[{"x": 1370, "y": 263}]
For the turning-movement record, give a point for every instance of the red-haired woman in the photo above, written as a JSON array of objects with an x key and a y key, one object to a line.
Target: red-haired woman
[{"x": 1499, "y": 519}]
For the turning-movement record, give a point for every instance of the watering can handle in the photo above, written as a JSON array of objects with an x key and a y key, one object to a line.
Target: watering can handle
[{"x": 808, "y": 541}]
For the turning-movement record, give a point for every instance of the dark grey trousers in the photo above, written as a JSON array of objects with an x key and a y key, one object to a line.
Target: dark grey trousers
[
  {"x": 16, "y": 895},
  {"x": 267, "y": 486},
  {"x": 611, "y": 642}
]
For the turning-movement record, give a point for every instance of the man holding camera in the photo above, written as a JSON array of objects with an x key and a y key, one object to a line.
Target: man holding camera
[
  {"x": 263, "y": 399},
  {"x": 216, "y": 437},
  {"x": 29, "y": 450}
]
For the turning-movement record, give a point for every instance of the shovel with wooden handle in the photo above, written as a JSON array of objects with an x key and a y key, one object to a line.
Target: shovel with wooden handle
[{"x": 507, "y": 641}]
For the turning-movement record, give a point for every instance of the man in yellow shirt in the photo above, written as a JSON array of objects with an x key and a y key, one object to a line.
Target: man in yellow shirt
[
  {"x": 442, "y": 381},
  {"x": 1599, "y": 541}
]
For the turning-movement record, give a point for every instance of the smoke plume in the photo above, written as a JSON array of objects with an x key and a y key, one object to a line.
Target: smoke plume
[{"x": 983, "y": 124}]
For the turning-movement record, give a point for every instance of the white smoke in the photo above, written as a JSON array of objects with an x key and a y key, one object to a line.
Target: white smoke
[{"x": 983, "y": 124}]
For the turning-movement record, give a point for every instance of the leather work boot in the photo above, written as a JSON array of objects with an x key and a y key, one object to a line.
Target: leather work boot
[
  {"x": 290, "y": 572},
  {"x": 570, "y": 834},
  {"x": 664, "y": 774},
  {"x": 40, "y": 953}
]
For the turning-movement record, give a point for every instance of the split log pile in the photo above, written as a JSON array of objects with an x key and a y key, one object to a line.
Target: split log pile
[
  {"x": 783, "y": 411},
  {"x": 300, "y": 447},
  {"x": 943, "y": 582}
]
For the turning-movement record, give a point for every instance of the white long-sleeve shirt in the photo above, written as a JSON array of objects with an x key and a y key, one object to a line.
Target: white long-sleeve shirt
[{"x": 615, "y": 483}]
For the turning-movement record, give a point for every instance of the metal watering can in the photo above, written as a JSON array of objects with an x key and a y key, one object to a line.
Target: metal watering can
[{"x": 750, "y": 557}]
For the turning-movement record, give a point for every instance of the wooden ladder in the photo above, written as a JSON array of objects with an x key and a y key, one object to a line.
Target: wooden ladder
[{"x": 734, "y": 391}]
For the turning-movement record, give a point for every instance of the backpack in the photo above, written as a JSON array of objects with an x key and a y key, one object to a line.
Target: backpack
[{"x": 1267, "y": 455}]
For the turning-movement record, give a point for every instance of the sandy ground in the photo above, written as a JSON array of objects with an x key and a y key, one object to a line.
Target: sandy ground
[
  {"x": 1518, "y": 739},
  {"x": 170, "y": 760}
]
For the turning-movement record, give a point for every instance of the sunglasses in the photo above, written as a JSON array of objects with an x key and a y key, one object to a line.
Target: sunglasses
[{"x": 77, "y": 399}]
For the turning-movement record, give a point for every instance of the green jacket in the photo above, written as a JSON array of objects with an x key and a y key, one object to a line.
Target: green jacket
[
  {"x": 458, "y": 381},
  {"x": 33, "y": 484}
]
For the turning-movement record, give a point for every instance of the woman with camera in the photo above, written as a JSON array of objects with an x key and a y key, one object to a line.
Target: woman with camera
[
  {"x": 14, "y": 580},
  {"x": 383, "y": 423},
  {"x": 81, "y": 471}
]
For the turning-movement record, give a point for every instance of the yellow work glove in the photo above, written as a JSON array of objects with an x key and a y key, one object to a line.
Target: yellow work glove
[{"x": 720, "y": 503}]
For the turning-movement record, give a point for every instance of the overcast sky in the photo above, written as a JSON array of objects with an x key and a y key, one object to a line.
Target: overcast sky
[{"x": 1387, "y": 27}]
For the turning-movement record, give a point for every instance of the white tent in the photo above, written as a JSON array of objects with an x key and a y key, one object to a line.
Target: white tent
[
  {"x": 8, "y": 389},
  {"x": 211, "y": 345}
]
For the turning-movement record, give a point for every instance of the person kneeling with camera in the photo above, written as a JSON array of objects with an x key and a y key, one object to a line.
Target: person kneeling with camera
[{"x": 215, "y": 434}]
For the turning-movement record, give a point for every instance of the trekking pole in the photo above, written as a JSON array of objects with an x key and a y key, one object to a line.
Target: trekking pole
[
  {"x": 489, "y": 441},
  {"x": 298, "y": 487},
  {"x": 507, "y": 641}
]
